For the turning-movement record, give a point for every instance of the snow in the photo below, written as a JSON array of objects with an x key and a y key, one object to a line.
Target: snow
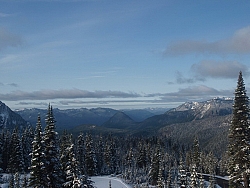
[{"x": 103, "y": 182}]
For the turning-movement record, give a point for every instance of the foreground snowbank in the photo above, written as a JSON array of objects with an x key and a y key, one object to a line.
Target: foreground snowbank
[{"x": 103, "y": 182}]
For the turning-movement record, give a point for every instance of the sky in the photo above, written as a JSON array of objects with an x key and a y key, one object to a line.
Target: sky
[{"x": 121, "y": 54}]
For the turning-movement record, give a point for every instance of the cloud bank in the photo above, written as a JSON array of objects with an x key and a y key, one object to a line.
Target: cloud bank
[
  {"x": 212, "y": 69},
  {"x": 64, "y": 94},
  {"x": 238, "y": 43},
  {"x": 219, "y": 69}
]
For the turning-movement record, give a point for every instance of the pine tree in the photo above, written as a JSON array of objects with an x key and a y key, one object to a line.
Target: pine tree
[
  {"x": 17, "y": 180},
  {"x": 52, "y": 153},
  {"x": 27, "y": 138},
  {"x": 80, "y": 152},
  {"x": 6, "y": 149},
  {"x": 38, "y": 176},
  {"x": 11, "y": 181},
  {"x": 182, "y": 174},
  {"x": 71, "y": 170},
  {"x": 194, "y": 182},
  {"x": 155, "y": 165},
  {"x": 196, "y": 154},
  {"x": 16, "y": 161},
  {"x": 90, "y": 157},
  {"x": 65, "y": 144},
  {"x": 239, "y": 139}
]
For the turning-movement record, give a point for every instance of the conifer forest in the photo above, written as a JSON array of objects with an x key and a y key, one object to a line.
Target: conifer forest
[{"x": 40, "y": 157}]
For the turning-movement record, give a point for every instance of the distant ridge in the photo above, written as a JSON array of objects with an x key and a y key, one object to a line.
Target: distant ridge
[{"x": 121, "y": 121}]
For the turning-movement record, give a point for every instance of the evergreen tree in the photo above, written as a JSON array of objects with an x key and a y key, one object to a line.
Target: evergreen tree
[
  {"x": 160, "y": 180},
  {"x": 196, "y": 154},
  {"x": 182, "y": 174},
  {"x": 27, "y": 138},
  {"x": 194, "y": 182},
  {"x": 142, "y": 156},
  {"x": 17, "y": 180},
  {"x": 11, "y": 181},
  {"x": 71, "y": 169},
  {"x": 110, "y": 156},
  {"x": 16, "y": 161},
  {"x": 52, "y": 153},
  {"x": 80, "y": 152},
  {"x": 6, "y": 149},
  {"x": 38, "y": 178},
  {"x": 155, "y": 166},
  {"x": 25, "y": 182},
  {"x": 212, "y": 163},
  {"x": 90, "y": 157},
  {"x": 239, "y": 139},
  {"x": 100, "y": 155},
  {"x": 65, "y": 144}
]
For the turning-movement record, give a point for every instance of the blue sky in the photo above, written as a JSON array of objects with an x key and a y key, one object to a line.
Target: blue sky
[{"x": 121, "y": 54}]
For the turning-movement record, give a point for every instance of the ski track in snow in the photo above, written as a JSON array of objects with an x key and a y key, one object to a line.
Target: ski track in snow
[{"x": 103, "y": 182}]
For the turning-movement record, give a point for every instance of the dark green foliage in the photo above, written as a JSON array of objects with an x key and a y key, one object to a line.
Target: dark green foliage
[
  {"x": 239, "y": 138},
  {"x": 16, "y": 161},
  {"x": 27, "y": 138}
]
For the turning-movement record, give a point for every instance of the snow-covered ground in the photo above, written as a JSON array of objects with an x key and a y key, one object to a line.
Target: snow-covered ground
[{"x": 103, "y": 182}]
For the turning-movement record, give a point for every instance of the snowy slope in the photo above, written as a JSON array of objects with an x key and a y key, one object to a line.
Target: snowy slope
[
  {"x": 103, "y": 182},
  {"x": 213, "y": 107},
  {"x": 10, "y": 119}
]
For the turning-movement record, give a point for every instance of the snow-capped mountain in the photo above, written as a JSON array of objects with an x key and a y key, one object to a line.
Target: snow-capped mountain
[
  {"x": 213, "y": 107},
  {"x": 10, "y": 119}
]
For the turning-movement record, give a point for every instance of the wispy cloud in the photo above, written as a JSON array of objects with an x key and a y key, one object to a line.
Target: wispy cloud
[
  {"x": 180, "y": 79},
  {"x": 64, "y": 94},
  {"x": 9, "y": 84},
  {"x": 8, "y": 39},
  {"x": 238, "y": 43},
  {"x": 4, "y": 15}
]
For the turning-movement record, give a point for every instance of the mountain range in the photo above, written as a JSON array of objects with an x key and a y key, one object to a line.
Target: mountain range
[
  {"x": 209, "y": 120},
  {"x": 69, "y": 118}
]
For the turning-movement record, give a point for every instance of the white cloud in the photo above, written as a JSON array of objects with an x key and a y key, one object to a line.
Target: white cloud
[
  {"x": 238, "y": 43},
  {"x": 219, "y": 69},
  {"x": 64, "y": 94}
]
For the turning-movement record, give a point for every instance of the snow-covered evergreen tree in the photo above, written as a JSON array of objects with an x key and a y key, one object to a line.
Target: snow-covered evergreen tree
[
  {"x": 52, "y": 153},
  {"x": 239, "y": 139},
  {"x": 16, "y": 161},
  {"x": 73, "y": 178},
  {"x": 194, "y": 181},
  {"x": 155, "y": 165},
  {"x": 110, "y": 156},
  {"x": 11, "y": 181},
  {"x": 65, "y": 144},
  {"x": 17, "y": 180},
  {"x": 182, "y": 175},
  {"x": 27, "y": 138},
  {"x": 38, "y": 176},
  {"x": 80, "y": 152},
  {"x": 90, "y": 156}
]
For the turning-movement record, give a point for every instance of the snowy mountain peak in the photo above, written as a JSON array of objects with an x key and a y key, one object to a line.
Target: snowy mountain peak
[{"x": 213, "y": 107}]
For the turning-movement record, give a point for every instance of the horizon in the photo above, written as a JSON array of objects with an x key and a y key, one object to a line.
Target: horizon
[
  {"x": 172, "y": 106},
  {"x": 115, "y": 54}
]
